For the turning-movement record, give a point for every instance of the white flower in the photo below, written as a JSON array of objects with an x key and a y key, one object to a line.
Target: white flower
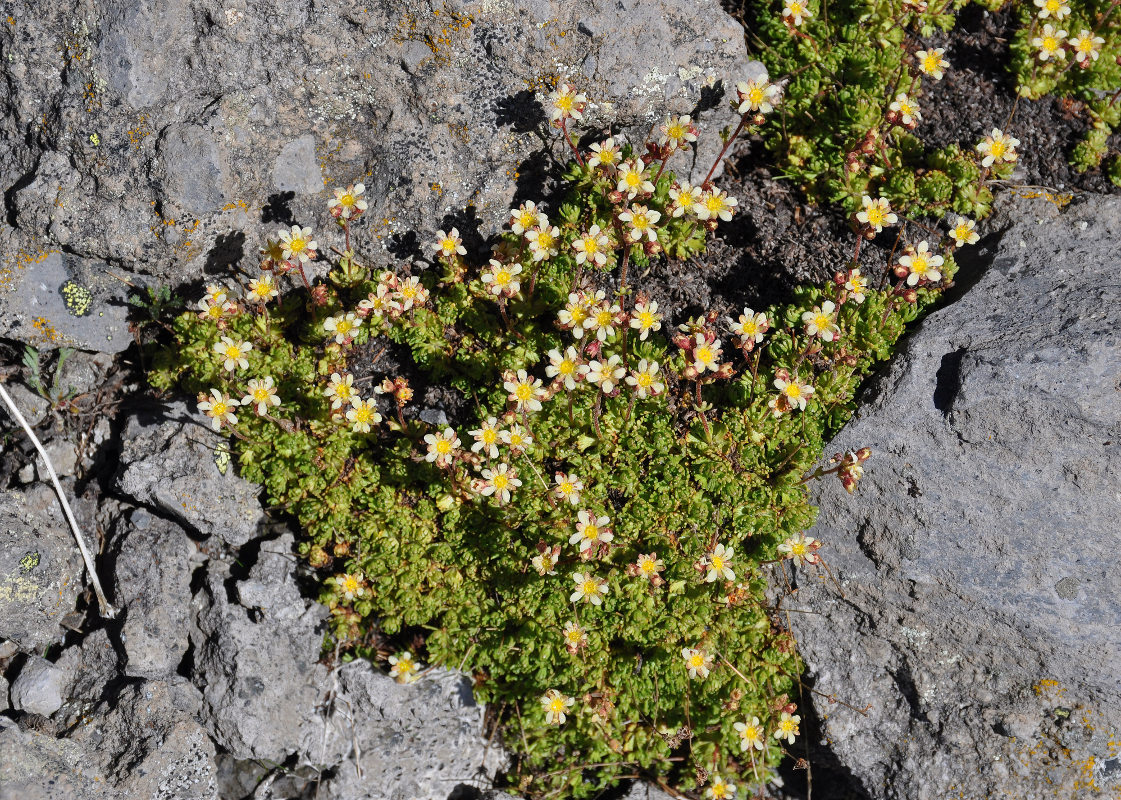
[
  {"x": 715, "y": 205},
  {"x": 633, "y": 178},
  {"x": 565, "y": 102},
  {"x": 348, "y": 203},
  {"x": 796, "y": 11},
  {"x": 219, "y": 407},
  {"x": 645, "y": 318},
  {"x": 362, "y": 414},
  {"x": 718, "y": 562},
  {"x": 857, "y": 286},
  {"x": 568, "y": 487},
  {"x": 298, "y": 245},
  {"x": 602, "y": 319},
  {"x": 441, "y": 447},
  {"x": 588, "y": 588},
  {"x": 751, "y": 734},
  {"x": 684, "y": 198},
  {"x": 706, "y": 354},
  {"x": 525, "y": 392},
  {"x": 556, "y": 704},
  {"x": 605, "y": 155},
  {"x": 591, "y": 530},
  {"x": 697, "y": 662},
  {"x": 719, "y": 789},
  {"x": 922, "y": 265},
  {"x": 340, "y": 389},
  {"x": 565, "y": 368},
  {"x": 787, "y": 727},
  {"x": 963, "y": 232},
  {"x": 906, "y": 108},
  {"x": 642, "y": 221},
  {"x": 801, "y": 549},
  {"x": 403, "y": 667},
  {"x": 876, "y": 213},
  {"x": 1086, "y": 47},
  {"x": 592, "y": 246},
  {"x": 750, "y": 327},
  {"x": 543, "y": 239},
  {"x": 232, "y": 353},
  {"x": 262, "y": 289},
  {"x": 517, "y": 439},
  {"x": 931, "y": 62},
  {"x": 499, "y": 482},
  {"x": 645, "y": 380},
  {"x": 1052, "y": 8},
  {"x": 448, "y": 245},
  {"x": 486, "y": 436},
  {"x": 342, "y": 325},
  {"x": 822, "y": 321},
  {"x": 998, "y": 148},
  {"x": 502, "y": 279},
  {"x": 524, "y": 217},
  {"x": 755, "y": 95},
  {"x": 1050, "y": 43},
  {"x": 676, "y": 131},
  {"x": 262, "y": 394},
  {"x": 605, "y": 374}
]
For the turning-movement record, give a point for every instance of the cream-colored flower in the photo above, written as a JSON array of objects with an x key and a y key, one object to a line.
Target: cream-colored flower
[
  {"x": 633, "y": 178},
  {"x": 592, "y": 246},
  {"x": 232, "y": 353},
  {"x": 906, "y": 108},
  {"x": 821, "y": 321},
  {"x": 449, "y": 245},
  {"x": 697, "y": 662},
  {"x": 499, "y": 482},
  {"x": 1086, "y": 47},
  {"x": 588, "y": 588},
  {"x": 487, "y": 436},
  {"x": 591, "y": 530},
  {"x": 645, "y": 380},
  {"x": 340, "y": 390},
  {"x": 963, "y": 232},
  {"x": 442, "y": 447},
  {"x": 1056, "y": 9},
  {"x": 525, "y": 391},
  {"x": 1050, "y": 43},
  {"x": 262, "y": 289},
  {"x": 543, "y": 239},
  {"x": 261, "y": 394},
  {"x": 605, "y": 374},
  {"x": 751, "y": 734},
  {"x": 564, "y": 368},
  {"x": 606, "y": 156},
  {"x": 566, "y": 103},
  {"x": 675, "y": 132},
  {"x": 524, "y": 217},
  {"x": 342, "y": 326},
  {"x": 362, "y": 414},
  {"x": 715, "y": 204},
  {"x": 403, "y": 667},
  {"x": 796, "y": 11},
  {"x": 719, "y": 563},
  {"x": 502, "y": 279},
  {"x": 756, "y": 95},
  {"x": 297, "y": 245},
  {"x": 348, "y": 203},
  {"x": 876, "y": 213},
  {"x": 219, "y": 407},
  {"x": 996, "y": 148},
  {"x": 684, "y": 198},
  {"x": 556, "y": 706},
  {"x": 857, "y": 286},
  {"x": 932, "y": 63},
  {"x": 922, "y": 264},
  {"x": 645, "y": 318},
  {"x": 642, "y": 222},
  {"x": 787, "y": 727},
  {"x": 568, "y": 487}
]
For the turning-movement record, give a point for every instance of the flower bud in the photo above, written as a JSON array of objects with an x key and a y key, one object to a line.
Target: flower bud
[
  {"x": 910, "y": 295},
  {"x": 839, "y": 278}
]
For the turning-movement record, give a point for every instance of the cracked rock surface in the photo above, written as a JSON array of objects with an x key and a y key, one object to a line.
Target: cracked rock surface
[{"x": 979, "y": 559}]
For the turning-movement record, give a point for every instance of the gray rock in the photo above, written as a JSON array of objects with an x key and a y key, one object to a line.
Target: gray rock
[
  {"x": 419, "y": 740},
  {"x": 169, "y": 463},
  {"x": 137, "y": 157},
  {"x": 64, "y": 459},
  {"x": 40, "y": 568},
  {"x": 92, "y": 665},
  {"x": 979, "y": 557},
  {"x": 258, "y": 664},
  {"x": 147, "y": 743},
  {"x": 5, "y": 704},
  {"x": 40, "y": 687},
  {"x": 36, "y": 766},
  {"x": 33, "y": 406},
  {"x": 153, "y": 586}
]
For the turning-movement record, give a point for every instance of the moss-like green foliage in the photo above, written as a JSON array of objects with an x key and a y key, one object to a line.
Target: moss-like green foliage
[{"x": 606, "y": 553}]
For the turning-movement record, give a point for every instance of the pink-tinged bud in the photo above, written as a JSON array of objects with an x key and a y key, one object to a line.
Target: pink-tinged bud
[
  {"x": 863, "y": 454},
  {"x": 319, "y": 295},
  {"x": 901, "y": 271},
  {"x": 725, "y": 372},
  {"x": 652, "y": 248},
  {"x": 683, "y": 341},
  {"x": 839, "y": 278},
  {"x": 758, "y": 119},
  {"x": 892, "y": 117},
  {"x": 615, "y": 198},
  {"x": 850, "y": 360},
  {"x": 910, "y": 295},
  {"x": 711, "y": 224},
  {"x": 593, "y": 348},
  {"x": 689, "y": 373}
]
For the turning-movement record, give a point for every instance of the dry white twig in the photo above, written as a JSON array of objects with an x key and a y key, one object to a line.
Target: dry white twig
[{"x": 106, "y": 610}]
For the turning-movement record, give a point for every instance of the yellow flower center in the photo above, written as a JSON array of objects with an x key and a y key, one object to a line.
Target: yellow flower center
[
  {"x": 516, "y": 440},
  {"x": 219, "y": 408},
  {"x": 755, "y": 95},
  {"x": 633, "y": 179},
  {"x": 795, "y": 9},
  {"x": 875, "y": 216},
  {"x": 821, "y": 321},
  {"x": 408, "y": 291},
  {"x": 649, "y": 566},
  {"x": 501, "y": 481},
  {"x": 603, "y": 318},
  {"x": 502, "y": 277},
  {"x": 607, "y": 156},
  {"x": 750, "y": 328},
  {"x": 343, "y": 326},
  {"x": 544, "y": 240},
  {"x": 590, "y": 246},
  {"x": 997, "y": 148},
  {"x": 905, "y": 109},
  {"x": 645, "y": 381},
  {"x": 524, "y": 392},
  {"x": 857, "y": 285},
  {"x": 297, "y": 245},
  {"x": 261, "y": 395},
  {"x": 362, "y": 414},
  {"x": 646, "y": 319},
  {"x": 573, "y": 637},
  {"x": 350, "y": 584},
  {"x": 448, "y": 245},
  {"x": 567, "y": 367},
  {"x": 443, "y": 447},
  {"x": 719, "y": 791},
  {"x": 919, "y": 264},
  {"x": 233, "y": 351},
  {"x": 564, "y": 102},
  {"x": 525, "y": 219},
  {"x": 1050, "y": 44},
  {"x": 347, "y": 200},
  {"x": 696, "y": 661},
  {"x": 640, "y": 222},
  {"x": 714, "y": 203},
  {"x": 342, "y": 391},
  {"x": 793, "y": 391},
  {"x": 704, "y": 354},
  {"x": 1053, "y": 5},
  {"x": 750, "y": 733},
  {"x": 566, "y": 487},
  {"x": 490, "y": 436},
  {"x": 798, "y": 548},
  {"x": 717, "y": 563},
  {"x": 931, "y": 63},
  {"x": 214, "y": 311},
  {"x": 591, "y": 532},
  {"x": 787, "y": 725},
  {"x": 589, "y": 587},
  {"x": 578, "y": 315},
  {"x": 1085, "y": 45}
]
